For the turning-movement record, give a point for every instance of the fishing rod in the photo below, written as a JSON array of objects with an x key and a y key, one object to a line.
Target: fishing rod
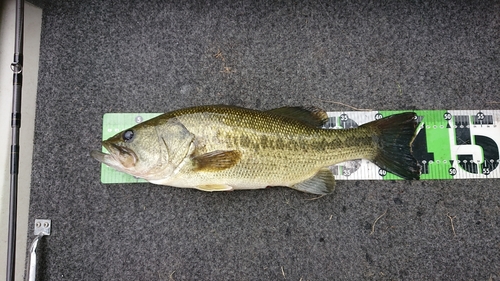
[{"x": 17, "y": 69}]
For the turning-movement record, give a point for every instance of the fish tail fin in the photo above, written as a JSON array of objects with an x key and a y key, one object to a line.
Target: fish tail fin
[{"x": 394, "y": 137}]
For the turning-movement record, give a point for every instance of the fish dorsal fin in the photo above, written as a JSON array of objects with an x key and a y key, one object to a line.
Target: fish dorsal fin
[
  {"x": 322, "y": 183},
  {"x": 311, "y": 116},
  {"x": 215, "y": 187},
  {"x": 216, "y": 160}
]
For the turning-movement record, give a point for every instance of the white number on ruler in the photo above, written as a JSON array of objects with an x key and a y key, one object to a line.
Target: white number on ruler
[
  {"x": 382, "y": 172},
  {"x": 452, "y": 171}
]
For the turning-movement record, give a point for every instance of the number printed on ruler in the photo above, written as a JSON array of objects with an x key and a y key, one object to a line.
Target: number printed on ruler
[{"x": 474, "y": 142}]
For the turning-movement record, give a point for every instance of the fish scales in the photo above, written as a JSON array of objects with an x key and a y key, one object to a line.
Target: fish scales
[{"x": 288, "y": 145}]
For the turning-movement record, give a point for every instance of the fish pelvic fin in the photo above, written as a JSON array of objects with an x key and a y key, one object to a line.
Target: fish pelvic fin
[
  {"x": 216, "y": 160},
  {"x": 215, "y": 187},
  {"x": 322, "y": 183},
  {"x": 394, "y": 137},
  {"x": 311, "y": 116}
]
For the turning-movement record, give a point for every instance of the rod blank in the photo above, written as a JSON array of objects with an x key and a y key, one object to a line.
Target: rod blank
[{"x": 17, "y": 68}]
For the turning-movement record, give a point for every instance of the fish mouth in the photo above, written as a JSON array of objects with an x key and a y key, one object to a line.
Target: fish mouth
[
  {"x": 119, "y": 157},
  {"x": 99, "y": 156},
  {"x": 105, "y": 158}
]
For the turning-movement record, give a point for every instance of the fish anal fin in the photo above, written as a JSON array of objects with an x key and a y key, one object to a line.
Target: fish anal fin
[
  {"x": 311, "y": 116},
  {"x": 216, "y": 160},
  {"x": 214, "y": 187},
  {"x": 322, "y": 183}
]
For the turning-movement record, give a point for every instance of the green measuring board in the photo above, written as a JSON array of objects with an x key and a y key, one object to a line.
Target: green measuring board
[{"x": 450, "y": 144}]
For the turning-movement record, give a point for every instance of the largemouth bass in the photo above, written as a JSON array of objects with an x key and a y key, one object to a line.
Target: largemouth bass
[{"x": 219, "y": 148}]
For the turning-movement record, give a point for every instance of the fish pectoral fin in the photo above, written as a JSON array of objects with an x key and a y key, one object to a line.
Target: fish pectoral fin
[
  {"x": 215, "y": 187},
  {"x": 322, "y": 183},
  {"x": 311, "y": 116},
  {"x": 216, "y": 160}
]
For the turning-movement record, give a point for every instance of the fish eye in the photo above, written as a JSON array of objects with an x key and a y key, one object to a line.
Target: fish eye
[{"x": 128, "y": 135}]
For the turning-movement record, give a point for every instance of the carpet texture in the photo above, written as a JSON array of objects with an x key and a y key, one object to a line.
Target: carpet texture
[{"x": 157, "y": 56}]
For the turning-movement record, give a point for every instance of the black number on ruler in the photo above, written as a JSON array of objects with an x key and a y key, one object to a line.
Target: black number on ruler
[
  {"x": 484, "y": 144},
  {"x": 447, "y": 116},
  {"x": 378, "y": 116}
]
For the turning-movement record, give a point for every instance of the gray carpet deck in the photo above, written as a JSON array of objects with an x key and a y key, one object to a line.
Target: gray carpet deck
[{"x": 156, "y": 56}]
